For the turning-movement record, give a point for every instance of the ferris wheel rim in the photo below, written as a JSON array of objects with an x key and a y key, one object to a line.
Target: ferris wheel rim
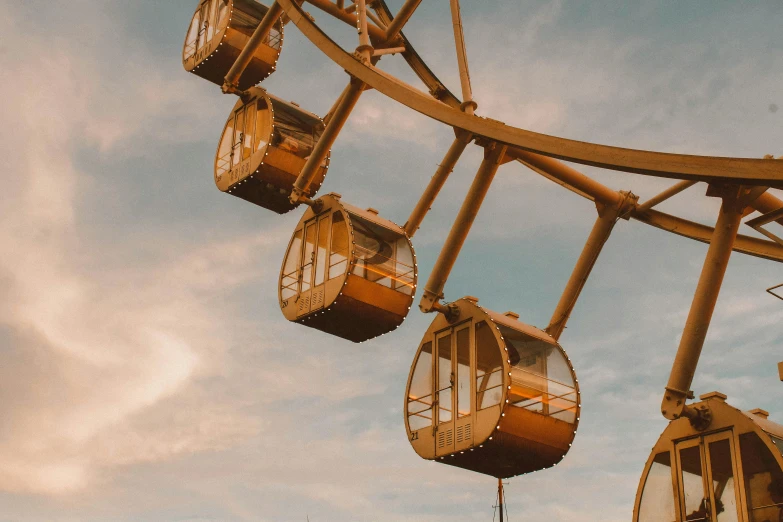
[{"x": 732, "y": 170}]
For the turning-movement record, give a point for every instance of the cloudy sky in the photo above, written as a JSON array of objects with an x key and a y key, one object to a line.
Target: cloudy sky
[{"x": 146, "y": 372}]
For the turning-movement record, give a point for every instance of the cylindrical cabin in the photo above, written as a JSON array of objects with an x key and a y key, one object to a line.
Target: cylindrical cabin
[
  {"x": 347, "y": 272},
  {"x": 219, "y": 31},
  {"x": 491, "y": 394},
  {"x": 730, "y": 472},
  {"x": 265, "y": 143}
]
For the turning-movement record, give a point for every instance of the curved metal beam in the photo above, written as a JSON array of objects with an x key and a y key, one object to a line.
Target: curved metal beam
[
  {"x": 437, "y": 88},
  {"x": 680, "y": 166},
  {"x": 683, "y": 227}
]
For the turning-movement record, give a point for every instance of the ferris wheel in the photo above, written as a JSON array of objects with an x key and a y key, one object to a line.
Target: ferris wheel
[{"x": 486, "y": 392}]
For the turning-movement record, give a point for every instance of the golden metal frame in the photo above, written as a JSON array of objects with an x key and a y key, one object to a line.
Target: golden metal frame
[
  {"x": 726, "y": 418},
  {"x": 742, "y": 183}
]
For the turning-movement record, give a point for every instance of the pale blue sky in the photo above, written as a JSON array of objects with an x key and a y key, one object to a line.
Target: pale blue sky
[{"x": 146, "y": 372}]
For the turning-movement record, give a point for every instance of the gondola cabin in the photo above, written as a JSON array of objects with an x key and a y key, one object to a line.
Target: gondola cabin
[
  {"x": 491, "y": 394},
  {"x": 219, "y": 31},
  {"x": 347, "y": 272},
  {"x": 265, "y": 143},
  {"x": 730, "y": 472}
]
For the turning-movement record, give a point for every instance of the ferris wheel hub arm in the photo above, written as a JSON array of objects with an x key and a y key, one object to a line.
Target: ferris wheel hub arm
[
  {"x": 705, "y": 298},
  {"x": 230, "y": 86},
  {"x": 433, "y": 290},
  {"x": 599, "y": 235},
  {"x": 445, "y": 168},
  {"x": 404, "y": 14}
]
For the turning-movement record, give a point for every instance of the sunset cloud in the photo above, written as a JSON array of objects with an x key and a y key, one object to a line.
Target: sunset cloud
[{"x": 146, "y": 372}]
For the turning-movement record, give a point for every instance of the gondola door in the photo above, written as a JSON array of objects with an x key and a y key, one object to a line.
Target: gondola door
[
  {"x": 242, "y": 143},
  {"x": 205, "y": 25},
  {"x": 454, "y": 396},
  {"x": 314, "y": 264},
  {"x": 444, "y": 396},
  {"x": 707, "y": 485},
  {"x": 464, "y": 394}
]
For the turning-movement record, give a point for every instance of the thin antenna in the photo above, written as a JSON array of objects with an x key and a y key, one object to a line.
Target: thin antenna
[{"x": 500, "y": 498}]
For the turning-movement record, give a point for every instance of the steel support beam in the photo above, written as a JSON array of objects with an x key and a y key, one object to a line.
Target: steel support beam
[
  {"x": 436, "y": 183},
  {"x": 602, "y": 229},
  {"x": 468, "y": 105},
  {"x": 337, "y": 119},
  {"x": 666, "y": 194},
  {"x": 377, "y": 35},
  {"x": 231, "y": 81},
  {"x": 706, "y": 296},
  {"x": 405, "y": 13},
  {"x": 433, "y": 290},
  {"x": 365, "y": 49},
  {"x": 679, "y": 166},
  {"x": 682, "y": 227},
  {"x": 767, "y": 203},
  {"x": 558, "y": 170}
]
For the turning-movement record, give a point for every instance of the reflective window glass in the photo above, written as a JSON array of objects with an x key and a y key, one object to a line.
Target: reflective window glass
[
  {"x": 263, "y": 125},
  {"x": 778, "y": 442},
  {"x": 239, "y": 137},
  {"x": 324, "y": 224},
  {"x": 463, "y": 372},
  {"x": 405, "y": 271},
  {"x": 250, "y": 127},
  {"x": 338, "y": 259},
  {"x": 275, "y": 38},
  {"x": 420, "y": 392},
  {"x": 251, "y": 16},
  {"x": 211, "y": 18},
  {"x": 309, "y": 256},
  {"x": 295, "y": 130},
  {"x": 223, "y": 160},
  {"x": 204, "y": 25},
  {"x": 541, "y": 379},
  {"x": 374, "y": 253},
  {"x": 244, "y": 21},
  {"x": 657, "y": 503},
  {"x": 290, "y": 279},
  {"x": 445, "y": 378},
  {"x": 377, "y": 248},
  {"x": 722, "y": 474},
  {"x": 222, "y": 19},
  {"x": 763, "y": 480},
  {"x": 191, "y": 40},
  {"x": 489, "y": 368},
  {"x": 693, "y": 484}
]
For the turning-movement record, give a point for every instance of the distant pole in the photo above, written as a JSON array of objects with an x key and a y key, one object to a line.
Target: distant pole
[{"x": 500, "y": 498}]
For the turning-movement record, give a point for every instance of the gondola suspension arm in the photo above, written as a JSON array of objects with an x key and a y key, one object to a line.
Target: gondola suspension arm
[
  {"x": 404, "y": 14},
  {"x": 445, "y": 168},
  {"x": 468, "y": 105},
  {"x": 337, "y": 118},
  {"x": 734, "y": 202},
  {"x": 494, "y": 155},
  {"x": 604, "y": 224},
  {"x": 231, "y": 83}
]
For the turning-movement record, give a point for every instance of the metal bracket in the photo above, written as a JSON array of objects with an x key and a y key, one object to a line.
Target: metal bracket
[
  {"x": 758, "y": 223},
  {"x": 703, "y": 418},
  {"x": 770, "y": 290}
]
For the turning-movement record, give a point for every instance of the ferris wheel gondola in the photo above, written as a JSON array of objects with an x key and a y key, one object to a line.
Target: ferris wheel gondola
[
  {"x": 732, "y": 470},
  {"x": 491, "y": 394},
  {"x": 347, "y": 272},
  {"x": 218, "y": 32},
  {"x": 266, "y": 141}
]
